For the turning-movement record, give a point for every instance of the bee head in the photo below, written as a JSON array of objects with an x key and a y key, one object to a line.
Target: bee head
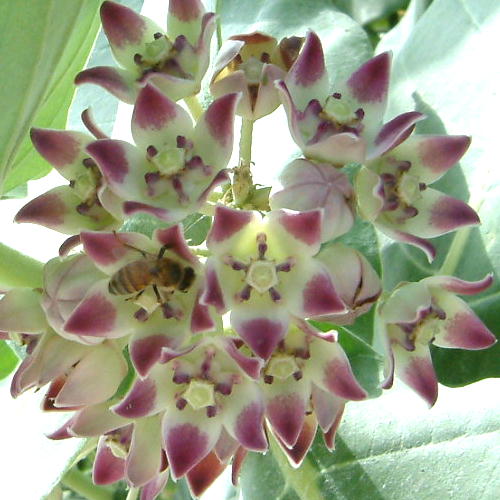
[{"x": 187, "y": 279}]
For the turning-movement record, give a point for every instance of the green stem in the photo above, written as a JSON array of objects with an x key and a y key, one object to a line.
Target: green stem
[
  {"x": 83, "y": 485},
  {"x": 242, "y": 179},
  {"x": 18, "y": 270},
  {"x": 194, "y": 106},
  {"x": 132, "y": 494},
  {"x": 455, "y": 252},
  {"x": 246, "y": 142},
  {"x": 302, "y": 480},
  {"x": 218, "y": 7},
  {"x": 202, "y": 252}
]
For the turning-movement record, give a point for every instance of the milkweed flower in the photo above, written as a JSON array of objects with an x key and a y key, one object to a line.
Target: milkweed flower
[
  {"x": 265, "y": 272},
  {"x": 202, "y": 389},
  {"x": 344, "y": 125},
  {"x": 418, "y": 314},
  {"x": 304, "y": 371},
  {"x": 250, "y": 64},
  {"x": 174, "y": 62},
  {"x": 306, "y": 185},
  {"x": 137, "y": 302},
  {"x": 83, "y": 204},
  {"x": 392, "y": 191},
  {"x": 174, "y": 166}
]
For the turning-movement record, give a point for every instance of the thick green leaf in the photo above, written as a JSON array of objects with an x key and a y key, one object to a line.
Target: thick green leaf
[
  {"x": 395, "y": 448},
  {"x": 345, "y": 42},
  {"x": 395, "y": 39},
  {"x": 18, "y": 270},
  {"x": 43, "y": 45},
  {"x": 20, "y": 191},
  {"x": 439, "y": 73},
  {"x": 8, "y": 359},
  {"x": 196, "y": 227},
  {"x": 104, "y": 106},
  {"x": 365, "y": 12}
]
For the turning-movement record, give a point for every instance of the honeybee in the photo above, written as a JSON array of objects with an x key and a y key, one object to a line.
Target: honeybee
[{"x": 156, "y": 271}]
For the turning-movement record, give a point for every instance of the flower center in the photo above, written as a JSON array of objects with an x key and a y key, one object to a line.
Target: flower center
[
  {"x": 339, "y": 111},
  {"x": 400, "y": 190},
  {"x": 199, "y": 394},
  {"x": 252, "y": 68},
  {"x": 170, "y": 160},
  {"x": 157, "y": 50},
  {"x": 261, "y": 275},
  {"x": 409, "y": 188},
  {"x": 282, "y": 366},
  {"x": 425, "y": 328}
]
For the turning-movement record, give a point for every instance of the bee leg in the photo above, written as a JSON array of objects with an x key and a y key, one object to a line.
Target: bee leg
[
  {"x": 142, "y": 252},
  {"x": 162, "y": 251},
  {"x": 157, "y": 293},
  {"x": 136, "y": 296}
]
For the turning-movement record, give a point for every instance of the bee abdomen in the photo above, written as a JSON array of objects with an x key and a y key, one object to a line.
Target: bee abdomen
[{"x": 132, "y": 278}]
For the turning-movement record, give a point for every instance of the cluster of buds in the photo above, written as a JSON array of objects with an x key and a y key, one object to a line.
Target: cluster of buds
[{"x": 127, "y": 329}]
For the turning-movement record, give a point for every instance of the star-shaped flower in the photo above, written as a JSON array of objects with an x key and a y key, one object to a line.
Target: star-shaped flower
[{"x": 174, "y": 62}]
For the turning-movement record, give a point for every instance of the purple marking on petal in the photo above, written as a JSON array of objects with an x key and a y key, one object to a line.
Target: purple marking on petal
[
  {"x": 305, "y": 226},
  {"x": 58, "y": 147},
  {"x": 186, "y": 445},
  {"x": 153, "y": 109},
  {"x": 339, "y": 379},
  {"x": 251, "y": 366},
  {"x": 219, "y": 118},
  {"x": 320, "y": 297},
  {"x": 145, "y": 352},
  {"x": 202, "y": 475},
  {"x": 262, "y": 335},
  {"x": 466, "y": 331},
  {"x": 168, "y": 354},
  {"x": 419, "y": 375},
  {"x": 103, "y": 248},
  {"x": 440, "y": 153},
  {"x": 201, "y": 320},
  {"x": 462, "y": 287},
  {"x": 95, "y": 316},
  {"x": 306, "y": 437},
  {"x": 310, "y": 64},
  {"x": 173, "y": 238},
  {"x": 329, "y": 436},
  {"x": 220, "y": 178},
  {"x": 185, "y": 10},
  {"x": 249, "y": 429},
  {"x": 107, "y": 467},
  {"x": 371, "y": 81},
  {"x": 62, "y": 432},
  {"x": 122, "y": 25},
  {"x": 421, "y": 243},
  {"x": 47, "y": 209},
  {"x": 396, "y": 131},
  {"x": 153, "y": 488},
  {"x": 227, "y": 222},
  {"x": 132, "y": 207},
  {"x": 239, "y": 458},
  {"x": 111, "y": 157},
  {"x": 139, "y": 401},
  {"x": 110, "y": 79},
  {"x": 286, "y": 414},
  {"x": 449, "y": 213},
  {"x": 212, "y": 294}
]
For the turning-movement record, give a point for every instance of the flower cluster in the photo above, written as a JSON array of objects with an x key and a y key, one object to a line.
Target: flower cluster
[{"x": 182, "y": 359}]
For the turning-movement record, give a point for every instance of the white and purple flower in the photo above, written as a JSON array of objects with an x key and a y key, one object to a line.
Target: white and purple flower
[{"x": 174, "y": 62}]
